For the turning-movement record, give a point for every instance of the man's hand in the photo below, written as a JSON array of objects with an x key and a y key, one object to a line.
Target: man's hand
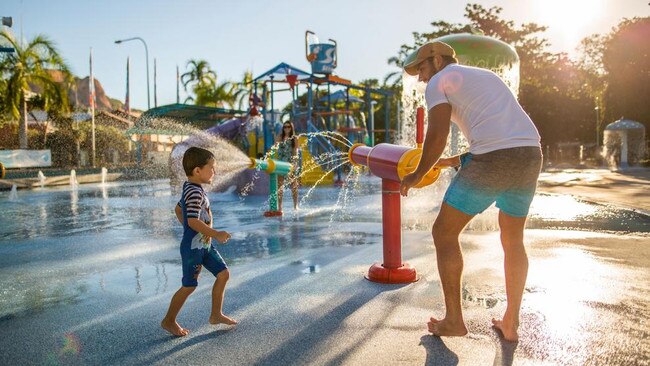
[
  {"x": 222, "y": 237},
  {"x": 408, "y": 182}
]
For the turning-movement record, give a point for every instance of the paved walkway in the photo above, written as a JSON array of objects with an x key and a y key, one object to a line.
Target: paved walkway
[{"x": 628, "y": 189}]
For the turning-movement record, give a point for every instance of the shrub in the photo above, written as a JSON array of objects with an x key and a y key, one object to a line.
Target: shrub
[{"x": 108, "y": 140}]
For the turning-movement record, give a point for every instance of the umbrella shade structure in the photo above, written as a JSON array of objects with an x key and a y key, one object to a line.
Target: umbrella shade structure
[
  {"x": 624, "y": 143},
  {"x": 280, "y": 72},
  {"x": 340, "y": 96}
]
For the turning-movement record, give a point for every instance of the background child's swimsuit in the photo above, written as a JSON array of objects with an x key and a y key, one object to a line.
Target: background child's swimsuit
[{"x": 196, "y": 249}]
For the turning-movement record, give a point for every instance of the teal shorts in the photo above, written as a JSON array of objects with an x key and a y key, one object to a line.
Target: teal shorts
[{"x": 507, "y": 177}]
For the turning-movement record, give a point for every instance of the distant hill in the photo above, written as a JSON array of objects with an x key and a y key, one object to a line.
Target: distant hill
[{"x": 79, "y": 94}]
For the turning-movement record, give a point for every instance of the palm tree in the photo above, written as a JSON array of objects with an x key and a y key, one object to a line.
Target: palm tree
[
  {"x": 219, "y": 95},
  {"x": 26, "y": 69},
  {"x": 208, "y": 92},
  {"x": 394, "y": 78},
  {"x": 199, "y": 74},
  {"x": 243, "y": 90}
]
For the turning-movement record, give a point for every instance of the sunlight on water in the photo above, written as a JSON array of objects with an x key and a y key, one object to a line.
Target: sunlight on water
[
  {"x": 563, "y": 282},
  {"x": 564, "y": 208}
]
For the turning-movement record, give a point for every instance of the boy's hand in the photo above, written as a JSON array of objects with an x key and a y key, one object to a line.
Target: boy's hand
[{"x": 222, "y": 237}]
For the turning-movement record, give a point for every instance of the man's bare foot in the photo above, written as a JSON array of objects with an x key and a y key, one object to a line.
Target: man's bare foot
[
  {"x": 445, "y": 328},
  {"x": 221, "y": 319},
  {"x": 509, "y": 330},
  {"x": 174, "y": 328}
]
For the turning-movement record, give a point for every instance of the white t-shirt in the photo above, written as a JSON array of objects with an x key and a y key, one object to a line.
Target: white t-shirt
[{"x": 483, "y": 107}]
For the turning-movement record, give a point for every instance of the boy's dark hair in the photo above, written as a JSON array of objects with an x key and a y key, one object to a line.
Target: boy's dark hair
[{"x": 195, "y": 157}]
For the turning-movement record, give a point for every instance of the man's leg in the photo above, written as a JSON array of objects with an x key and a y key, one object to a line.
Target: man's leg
[
  {"x": 516, "y": 269},
  {"x": 446, "y": 230},
  {"x": 218, "y": 291}
]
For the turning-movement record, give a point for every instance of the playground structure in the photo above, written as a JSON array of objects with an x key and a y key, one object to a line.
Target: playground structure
[
  {"x": 391, "y": 163},
  {"x": 321, "y": 103},
  {"x": 313, "y": 112}
]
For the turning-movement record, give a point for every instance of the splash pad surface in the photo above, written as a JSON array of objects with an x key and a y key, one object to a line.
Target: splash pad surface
[{"x": 86, "y": 276}]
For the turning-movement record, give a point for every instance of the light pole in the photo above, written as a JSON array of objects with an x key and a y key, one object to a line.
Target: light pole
[{"x": 146, "y": 51}]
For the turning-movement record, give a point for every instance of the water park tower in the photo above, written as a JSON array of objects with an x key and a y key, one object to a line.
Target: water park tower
[{"x": 320, "y": 102}]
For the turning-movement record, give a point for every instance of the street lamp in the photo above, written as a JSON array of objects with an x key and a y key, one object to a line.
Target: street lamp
[{"x": 146, "y": 51}]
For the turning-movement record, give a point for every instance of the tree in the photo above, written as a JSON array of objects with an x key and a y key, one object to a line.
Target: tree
[
  {"x": 199, "y": 74},
  {"x": 626, "y": 61},
  {"x": 552, "y": 87},
  {"x": 64, "y": 143},
  {"x": 26, "y": 69},
  {"x": 220, "y": 95},
  {"x": 243, "y": 90},
  {"x": 207, "y": 91}
]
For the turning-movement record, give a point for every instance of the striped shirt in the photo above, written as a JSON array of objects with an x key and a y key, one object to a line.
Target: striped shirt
[{"x": 196, "y": 201}]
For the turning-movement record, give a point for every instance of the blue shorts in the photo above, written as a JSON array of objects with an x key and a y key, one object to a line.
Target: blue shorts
[
  {"x": 507, "y": 177},
  {"x": 195, "y": 259}
]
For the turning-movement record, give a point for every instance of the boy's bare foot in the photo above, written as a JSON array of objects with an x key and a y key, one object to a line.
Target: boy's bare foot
[
  {"x": 221, "y": 319},
  {"x": 509, "y": 330},
  {"x": 445, "y": 328},
  {"x": 174, "y": 328}
]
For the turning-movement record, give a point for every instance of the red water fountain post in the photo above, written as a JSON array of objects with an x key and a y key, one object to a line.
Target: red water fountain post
[
  {"x": 392, "y": 270},
  {"x": 391, "y": 163}
]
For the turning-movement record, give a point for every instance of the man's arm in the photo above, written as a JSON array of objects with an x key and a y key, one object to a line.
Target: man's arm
[
  {"x": 434, "y": 144},
  {"x": 435, "y": 140}
]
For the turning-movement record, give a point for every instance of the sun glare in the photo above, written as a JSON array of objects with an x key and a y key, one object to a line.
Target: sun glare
[{"x": 568, "y": 18}]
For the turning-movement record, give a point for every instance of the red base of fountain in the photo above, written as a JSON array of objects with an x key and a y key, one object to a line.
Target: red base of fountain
[{"x": 381, "y": 274}]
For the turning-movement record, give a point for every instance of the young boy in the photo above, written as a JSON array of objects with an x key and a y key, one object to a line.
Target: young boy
[{"x": 193, "y": 212}]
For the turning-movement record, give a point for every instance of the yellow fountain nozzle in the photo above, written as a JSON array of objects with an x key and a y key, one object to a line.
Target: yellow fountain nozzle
[
  {"x": 350, "y": 153},
  {"x": 270, "y": 166},
  {"x": 409, "y": 162},
  {"x": 253, "y": 163}
]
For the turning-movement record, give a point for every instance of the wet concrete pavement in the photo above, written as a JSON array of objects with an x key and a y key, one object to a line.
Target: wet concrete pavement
[
  {"x": 628, "y": 188},
  {"x": 96, "y": 296},
  {"x": 585, "y": 304}
]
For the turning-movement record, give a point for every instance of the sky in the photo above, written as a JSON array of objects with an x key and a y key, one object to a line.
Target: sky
[{"x": 239, "y": 35}]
